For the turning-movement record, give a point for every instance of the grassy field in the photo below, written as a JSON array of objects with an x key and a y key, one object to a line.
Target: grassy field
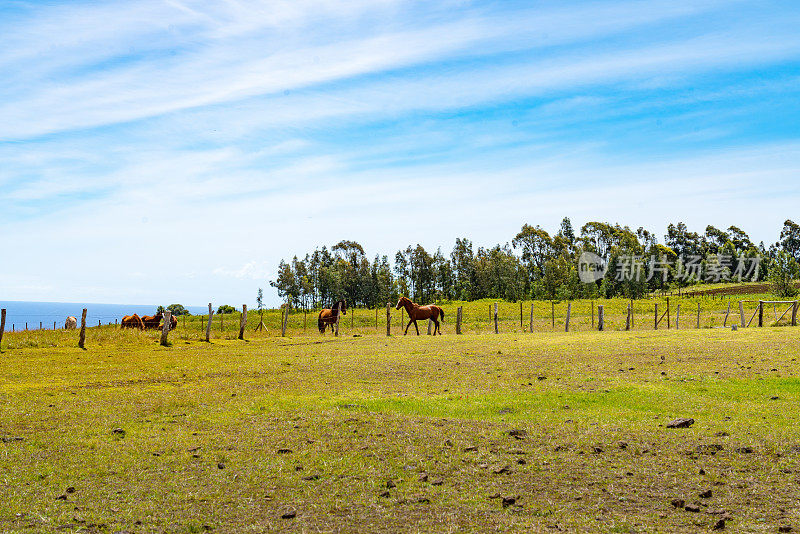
[{"x": 411, "y": 434}]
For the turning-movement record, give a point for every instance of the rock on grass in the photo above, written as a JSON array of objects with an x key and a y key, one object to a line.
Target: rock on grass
[{"x": 681, "y": 422}]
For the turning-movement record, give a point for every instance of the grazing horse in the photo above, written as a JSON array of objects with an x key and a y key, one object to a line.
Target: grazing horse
[
  {"x": 71, "y": 323},
  {"x": 132, "y": 321},
  {"x": 415, "y": 311},
  {"x": 327, "y": 317},
  {"x": 152, "y": 321},
  {"x": 173, "y": 322}
]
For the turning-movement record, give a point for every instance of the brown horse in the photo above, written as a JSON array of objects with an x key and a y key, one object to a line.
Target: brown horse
[
  {"x": 132, "y": 321},
  {"x": 327, "y": 317},
  {"x": 415, "y": 311},
  {"x": 152, "y": 321}
]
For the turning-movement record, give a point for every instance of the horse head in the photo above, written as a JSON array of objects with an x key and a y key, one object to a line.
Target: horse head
[{"x": 401, "y": 303}]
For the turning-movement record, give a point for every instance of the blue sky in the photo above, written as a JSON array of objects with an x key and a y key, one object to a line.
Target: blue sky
[{"x": 159, "y": 152}]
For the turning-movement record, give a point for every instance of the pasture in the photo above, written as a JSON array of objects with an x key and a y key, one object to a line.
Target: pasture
[{"x": 541, "y": 432}]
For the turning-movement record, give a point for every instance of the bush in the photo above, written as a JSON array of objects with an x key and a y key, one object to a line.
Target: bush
[
  {"x": 225, "y": 309},
  {"x": 178, "y": 309},
  {"x": 783, "y": 271}
]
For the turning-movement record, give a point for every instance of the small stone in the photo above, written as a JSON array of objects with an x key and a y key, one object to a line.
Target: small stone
[
  {"x": 311, "y": 477},
  {"x": 423, "y": 477},
  {"x": 284, "y": 451},
  {"x": 719, "y": 525},
  {"x": 385, "y": 494},
  {"x": 220, "y": 465},
  {"x": 691, "y": 508},
  {"x": 678, "y": 503},
  {"x": 597, "y": 450},
  {"x": 508, "y": 501},
  {"x": 702, "y": 471},
  {"x": 518, "y": 433},
  {"x": 494, "y": 496},
  {"x": 118, "y": 432},
  {"x": 289, "y": 515},
  {"x": 470, "y": 449},
  {"x": 681, "y": 422},
  {"x": 784, "y": 528},
  {"x": 502, "y": 471},
  {"x": 706, "y": 494},
  {"x": 774, "y": 397},
  {"x": 71, "y": 489},
  {"x": 745, "y": 450},
  {"x": 437, "y": 482}
]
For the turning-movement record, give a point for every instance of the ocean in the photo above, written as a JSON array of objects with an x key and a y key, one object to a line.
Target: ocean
[{"x": 18, "y": 313}]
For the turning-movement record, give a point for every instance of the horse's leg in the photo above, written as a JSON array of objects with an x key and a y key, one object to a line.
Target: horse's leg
[
  {"x": 409, "y": 324},
  {"x": 415, "y": 326},
  {"x": 436, "y": 327}
]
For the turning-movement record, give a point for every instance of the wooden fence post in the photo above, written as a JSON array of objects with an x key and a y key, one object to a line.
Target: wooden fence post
[
  {"x": 165, "y": 327},
  {"x": 760, "y": 313},
  {"x": 2, "y": 324},
  {"x": 388, "y": 319},
  {"x": 521, "y": 325},
  {"x": 569, "y": 310},
  {"x": 727, "y": 313},
  {"x": 495, "y": 318},
  {"x": 698, "y": 315},
  {"x": 741, "y": 312},
  {"x": 242, "y": 321},
  {"x": 208, "y": 326},
  {"x": 655, "y": 321},
  {"x": 531, "y": 325},
  {"x": 678, "y": 318},
  {"x": 82, "y": 339},
  {"x": 458, "y": 319},
  {"x": 628, "y": 318},
  {"x": 338, "y": 318},
  {"x": 553, "y": 313},
  {"x": 430, "y": 322},
  {"x": 600, "y": 318},
  {"x": 633, "y": 316},
  {"x": 794, "y": 314},
  {"x": 667, "y": 313}
]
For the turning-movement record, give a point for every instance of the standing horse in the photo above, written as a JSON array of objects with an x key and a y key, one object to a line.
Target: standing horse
[
  {"x": 132, "y": 321},
  {"x": 327, "y": 317},
  {"x": 415, "y": 311}
]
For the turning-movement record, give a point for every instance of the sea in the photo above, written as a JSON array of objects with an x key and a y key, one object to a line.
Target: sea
[{"x": 45, "y": 314}]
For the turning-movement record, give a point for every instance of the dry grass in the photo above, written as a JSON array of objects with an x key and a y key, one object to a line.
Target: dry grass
[{"x": 401, "y": 434}]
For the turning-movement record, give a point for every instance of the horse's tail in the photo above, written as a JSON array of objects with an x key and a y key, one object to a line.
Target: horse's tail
[
  {"x": 441, "y": 312},
  {"x": 320, "y": 324}
]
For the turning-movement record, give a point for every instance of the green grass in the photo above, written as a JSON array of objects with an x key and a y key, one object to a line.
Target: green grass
[{"x": 205, "y": 425}]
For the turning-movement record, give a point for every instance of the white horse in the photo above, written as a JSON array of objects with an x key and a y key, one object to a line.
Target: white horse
[{"x": 71, "y": 323}]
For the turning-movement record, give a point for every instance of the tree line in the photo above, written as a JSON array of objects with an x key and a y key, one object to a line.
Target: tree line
[{"x": 537, "y": 265}]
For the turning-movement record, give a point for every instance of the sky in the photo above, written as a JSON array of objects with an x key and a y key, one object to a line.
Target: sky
[{"x": 155, "y": 152}]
